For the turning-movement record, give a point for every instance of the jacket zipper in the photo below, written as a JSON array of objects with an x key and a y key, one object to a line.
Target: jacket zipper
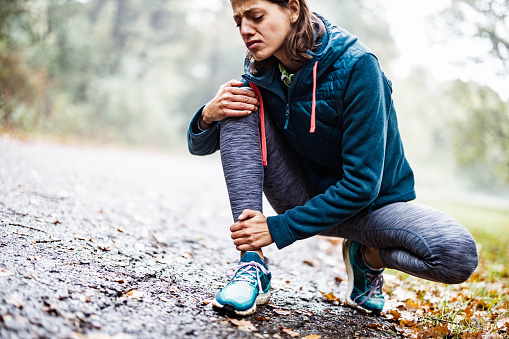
[{"x": 287, "y": 113}]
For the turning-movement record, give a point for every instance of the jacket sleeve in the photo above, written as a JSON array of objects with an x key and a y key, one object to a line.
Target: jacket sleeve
[
  {"x": 202, "y": 142},
  {"x": 366, "y": 102}
]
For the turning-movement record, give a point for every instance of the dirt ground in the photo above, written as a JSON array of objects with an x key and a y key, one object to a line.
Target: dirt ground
[{"x": 113, "y": 243}]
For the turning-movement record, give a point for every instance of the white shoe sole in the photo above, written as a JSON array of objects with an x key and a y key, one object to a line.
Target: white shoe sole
[{"x": 261, "y": 299}]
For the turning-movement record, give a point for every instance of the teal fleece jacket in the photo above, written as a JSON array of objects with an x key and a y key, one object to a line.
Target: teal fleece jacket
[{"x": 354, "y": 160}]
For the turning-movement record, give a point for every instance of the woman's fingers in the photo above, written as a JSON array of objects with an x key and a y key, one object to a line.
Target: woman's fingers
[
  {"x": 246, "y": 99},
  {"x": 239, "y": 106},
  {"x": 247, "y": 213},
  {"x": 232, "y": 100},
  {"x": 244, "y": 91},
  {"x": 233, "y": 83}
]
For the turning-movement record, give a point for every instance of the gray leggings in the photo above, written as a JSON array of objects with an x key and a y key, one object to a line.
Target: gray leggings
[{"x": 412, "y": 238}]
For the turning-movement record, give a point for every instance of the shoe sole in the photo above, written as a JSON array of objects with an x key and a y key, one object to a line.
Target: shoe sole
[
  {"x": 349, "y": 272},
  {"x": 261, "y": 299}
]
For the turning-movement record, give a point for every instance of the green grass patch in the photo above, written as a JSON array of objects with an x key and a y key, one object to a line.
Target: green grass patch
[{"x": 477, "y": 308}]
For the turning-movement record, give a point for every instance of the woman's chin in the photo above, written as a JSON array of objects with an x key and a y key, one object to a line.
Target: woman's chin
[{"x": 260, "y": 56}]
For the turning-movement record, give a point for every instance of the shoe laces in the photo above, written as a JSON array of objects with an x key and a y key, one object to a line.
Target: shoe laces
[
  {"x": 244, "y": 272},
  {"x": 376, "y": 281}
]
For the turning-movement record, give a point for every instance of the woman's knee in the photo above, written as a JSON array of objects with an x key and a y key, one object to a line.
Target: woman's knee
[
  {"x": 458, "y": 260},
  {"x": 249, "y": 122}
]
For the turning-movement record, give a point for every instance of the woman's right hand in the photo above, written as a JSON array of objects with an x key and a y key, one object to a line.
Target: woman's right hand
[{"x": 232, "y": 100}]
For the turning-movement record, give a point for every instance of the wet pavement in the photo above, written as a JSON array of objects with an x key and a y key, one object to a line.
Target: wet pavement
[{"x": 112, "y": 243}]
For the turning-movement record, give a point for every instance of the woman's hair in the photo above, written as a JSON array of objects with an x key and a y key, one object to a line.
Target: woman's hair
[{"x": 300, "y": 39}]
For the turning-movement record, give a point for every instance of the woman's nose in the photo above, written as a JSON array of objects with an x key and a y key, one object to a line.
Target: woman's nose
[{"x": 246, "y": 29}]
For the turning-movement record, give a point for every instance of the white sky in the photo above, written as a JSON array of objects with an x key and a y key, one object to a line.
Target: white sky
[{"x": 410, "y": 27}]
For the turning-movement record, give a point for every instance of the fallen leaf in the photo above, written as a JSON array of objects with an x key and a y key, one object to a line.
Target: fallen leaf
[
  {"x": 282, "y": 312},
  {"x": 243, "y": 325},
  {"x": 14, "y": 300},
  {"x": 303, "y": 312},
  {"x": 165, "y": 299},
  {"x": 330, "y": 296},
  {"x": 312, "y": 336},
  {"x": 310, "y": 263},
  {"x": 290, "y": 332},
  {"x": 134, "y": 294},
  {"x": 21, "y": 320},
  {"x": 412, "y": 305},
  {"x": 206, "y": 301},
  {"x": 5, "y": 272},
  {"x": 188, "y": 255},
  {"x": 262, "y": 318},
  {"x": 395, "y": 314},
  {"x": 338, "y": 280}
]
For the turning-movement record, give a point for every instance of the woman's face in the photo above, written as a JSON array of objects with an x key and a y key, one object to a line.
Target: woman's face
[{"x": 263, "y": 26}]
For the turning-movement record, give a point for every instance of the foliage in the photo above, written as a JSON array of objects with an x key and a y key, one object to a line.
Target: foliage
[
  {"x": 481, "y": 117},
  {"x": 485, "y": 19},
  {"x": 477, "y": 308},
  {"x": 123, "y": 70},
  {"x": 481, "y": 132}
]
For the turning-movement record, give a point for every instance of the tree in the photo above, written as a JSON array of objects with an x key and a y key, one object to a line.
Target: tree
[
  {"x": 484, "y": 19},
  {"x": 14, "y": 83},
  {"x": 482, "y": 130},
  {"x": 481, "y": 133}
]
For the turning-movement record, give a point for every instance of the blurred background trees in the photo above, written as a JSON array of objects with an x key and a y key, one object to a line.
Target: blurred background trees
[
  {"x": 134, "y": 72},
  {"x": 481, "y": 130}
]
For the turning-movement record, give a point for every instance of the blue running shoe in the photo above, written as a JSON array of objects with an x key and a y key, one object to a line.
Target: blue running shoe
[
  {"x": 364, "y": 289},
  {"x": 249, "y": 286}
]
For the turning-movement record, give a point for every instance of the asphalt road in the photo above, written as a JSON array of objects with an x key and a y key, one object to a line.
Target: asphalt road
[{"x": 101, "y": 242}]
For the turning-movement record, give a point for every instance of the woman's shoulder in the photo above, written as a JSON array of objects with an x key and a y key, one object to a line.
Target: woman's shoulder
[{"x": 341, "y": 48}]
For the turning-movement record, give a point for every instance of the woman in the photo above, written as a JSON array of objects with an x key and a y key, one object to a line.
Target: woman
[{"x": 313, "y": 126}]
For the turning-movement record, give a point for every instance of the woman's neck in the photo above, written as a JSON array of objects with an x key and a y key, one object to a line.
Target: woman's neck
[{"x": 291, "y": 66}]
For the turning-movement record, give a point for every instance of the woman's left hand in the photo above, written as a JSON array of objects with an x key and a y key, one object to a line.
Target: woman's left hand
[{"x": 251, "y": 232}]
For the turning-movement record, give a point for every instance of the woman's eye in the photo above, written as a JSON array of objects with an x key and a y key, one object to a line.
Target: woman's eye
[{"x": 258, "y": 18}]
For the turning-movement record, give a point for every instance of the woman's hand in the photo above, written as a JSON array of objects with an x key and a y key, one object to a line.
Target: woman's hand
[
  {"x": 251, "y": 232},
  {"x": 230, "y": 101}
]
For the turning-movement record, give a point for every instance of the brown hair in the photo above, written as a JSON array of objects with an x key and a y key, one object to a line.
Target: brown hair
[{"x": 300, "y": 39}]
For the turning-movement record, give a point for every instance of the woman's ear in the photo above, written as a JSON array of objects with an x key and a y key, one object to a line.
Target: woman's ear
[{"x": 294, "y": 6}]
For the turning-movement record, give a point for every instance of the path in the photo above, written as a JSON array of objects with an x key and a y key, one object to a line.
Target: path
[{"x": 109, "y": 243}]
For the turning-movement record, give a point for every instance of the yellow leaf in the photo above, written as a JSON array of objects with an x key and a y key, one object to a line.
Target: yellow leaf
[
  {"x": 395, "y": 314},
  {"x": 330, "y": 296},
  {"x": 243, "y": 325},
  {"x": 260, "y": 318},
  {"x": 290, "y": 332},
  {"x": 312, "y": 336},
  {"x": 303, "y": 312},
  {"x": 282, "y": 312},
  {"x": 134, "y": 294}
]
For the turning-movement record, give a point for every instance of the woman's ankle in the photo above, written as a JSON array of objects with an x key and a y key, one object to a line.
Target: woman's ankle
[
  {"x": 372, "y": 259},
  {"x": 260, "y": 253}
]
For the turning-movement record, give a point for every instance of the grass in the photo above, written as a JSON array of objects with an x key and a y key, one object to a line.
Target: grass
[{"x": 477, "y": 308}]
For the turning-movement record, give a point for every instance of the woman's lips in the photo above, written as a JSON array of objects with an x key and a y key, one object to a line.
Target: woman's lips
[{"x": 253, "y": 44}]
